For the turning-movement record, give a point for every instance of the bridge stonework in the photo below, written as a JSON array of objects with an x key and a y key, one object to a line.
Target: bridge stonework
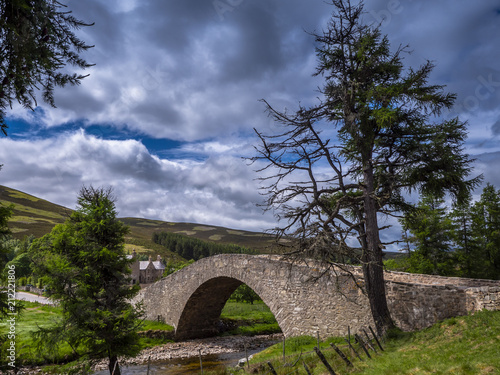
[{"x": 304, "y": 303}]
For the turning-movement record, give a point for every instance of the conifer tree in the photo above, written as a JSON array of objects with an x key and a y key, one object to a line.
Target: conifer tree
[
  {"x": 486, "y": 233},
  {"x": 37, "y": 43},
  {"x": 432, "y": 237},
  {"x": 343, "y": 164},
  {"x": 85, "y": 269}
]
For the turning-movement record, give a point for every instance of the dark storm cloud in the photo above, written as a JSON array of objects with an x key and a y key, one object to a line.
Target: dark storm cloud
[
  {"x": 457, "y": 36},
  {"x": 193, "y": 71},
  {"x": 183, "y": 70},
  {"x": 495, "y": 128}
]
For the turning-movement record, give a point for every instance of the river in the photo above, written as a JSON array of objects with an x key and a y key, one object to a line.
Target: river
[
  {"x": 183, "y": 365},
  {"x": 183, "y": 357}
]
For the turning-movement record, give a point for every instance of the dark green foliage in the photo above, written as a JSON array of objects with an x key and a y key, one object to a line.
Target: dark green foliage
[
  {"x": 192, "y": 248},
  {"x": 83, "y": 265},
  {"x": 482, "y": 253},
  {"x": 22, "y": 263},
  {"x": 431, "y": 236},
  {"x": 36, "y": 43},
  {"x": 463, "y": 242},
  {"x": 245, "y": 294}
]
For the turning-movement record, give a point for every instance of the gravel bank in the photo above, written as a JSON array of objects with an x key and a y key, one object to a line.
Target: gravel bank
[{"x": 186, "y": 349}]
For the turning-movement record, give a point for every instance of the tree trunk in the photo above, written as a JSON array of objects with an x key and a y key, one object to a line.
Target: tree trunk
[
  {"x": 373, "y": 268},
  {"x": 114, "y": 367}
]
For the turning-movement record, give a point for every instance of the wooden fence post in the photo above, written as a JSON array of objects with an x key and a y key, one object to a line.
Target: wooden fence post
[
  {"x": 325, "y": 362},
  {"x": 306, "y": 368},
  {"x": 342, "y": 355},
  {"x": 284, "y": 361},
  {"x": 376, "y": 338},
  {"x": 272, "y": 368},
  {"x": 201, "y": 362},
  {"x": 360, "y": 340},
  {"x": 368, "y": 342},
  {"x": 354, "y": 350}
]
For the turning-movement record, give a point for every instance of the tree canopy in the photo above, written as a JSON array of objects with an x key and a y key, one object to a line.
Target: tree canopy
[
  {"x": 37, "y": 42},
  {"x": 86, "y": 270},
  {"x": 376, "y": 134}
]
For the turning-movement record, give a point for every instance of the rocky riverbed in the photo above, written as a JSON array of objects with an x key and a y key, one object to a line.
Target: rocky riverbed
[{"x": 188, "y": 349}]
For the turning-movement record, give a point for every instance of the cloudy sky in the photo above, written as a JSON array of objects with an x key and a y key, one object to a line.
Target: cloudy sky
[{"x": 167, "y": 113}]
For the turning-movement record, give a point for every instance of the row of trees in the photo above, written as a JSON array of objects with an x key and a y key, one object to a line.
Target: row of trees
[
  {"x": 463, "y": 241},
  {"x": 193, "y": 249}
]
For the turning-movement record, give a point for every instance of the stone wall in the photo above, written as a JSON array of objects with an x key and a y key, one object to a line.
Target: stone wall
[
  {"x": 415, "y": 306},
  {"x": 306, "y": 298},
  {"x": 483, "y": 298}
]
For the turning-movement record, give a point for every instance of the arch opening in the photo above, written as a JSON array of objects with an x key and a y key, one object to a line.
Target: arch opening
[{"x": 201, "y": 316}]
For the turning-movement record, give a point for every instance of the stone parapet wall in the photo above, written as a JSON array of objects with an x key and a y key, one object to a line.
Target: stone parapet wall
[
  {"x": 483, "y": 298},
  {"x": 307, "y": 299},
  {"x": 414, "y": 307},
  {"x": 414, "y": 278}
]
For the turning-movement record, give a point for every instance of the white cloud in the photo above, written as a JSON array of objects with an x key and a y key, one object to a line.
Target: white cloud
[
  {"x": 173, "y": 70},
  {"x": 218, "y": 191}
]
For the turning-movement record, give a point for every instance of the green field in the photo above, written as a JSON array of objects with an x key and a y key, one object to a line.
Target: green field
[
  {"x": 36, "y": 315},
  {"x": 249, "y": 319}
]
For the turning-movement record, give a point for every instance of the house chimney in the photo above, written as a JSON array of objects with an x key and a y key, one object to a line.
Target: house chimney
[
  {"x": 150, "y": 258},
  {"x": 158, "y": 258}
]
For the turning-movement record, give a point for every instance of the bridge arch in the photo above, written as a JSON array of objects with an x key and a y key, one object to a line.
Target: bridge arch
[
  {"x": 302, "y": 302},
  {"x": 192, "y": 299}
]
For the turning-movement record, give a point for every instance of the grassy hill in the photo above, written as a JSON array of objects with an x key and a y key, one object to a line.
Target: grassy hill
[{"x": 35, "y": 216}]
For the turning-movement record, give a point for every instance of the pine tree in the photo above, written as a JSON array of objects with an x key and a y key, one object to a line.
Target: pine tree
[
  {"x": 85, "y": 269},
  {"x": 347, "y": 161},
  {"x": 465, "y": 242},
  {"x": 432, "y": 238},
  {"x": 486, "y": 233},
  {"x": 36, "y": 43}
]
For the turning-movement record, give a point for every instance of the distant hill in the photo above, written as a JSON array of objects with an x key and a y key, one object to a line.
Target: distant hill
[{"x": 35, "y": 216}]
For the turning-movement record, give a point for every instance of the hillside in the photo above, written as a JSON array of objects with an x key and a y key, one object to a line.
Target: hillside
[{"x": 35, "y": 216}]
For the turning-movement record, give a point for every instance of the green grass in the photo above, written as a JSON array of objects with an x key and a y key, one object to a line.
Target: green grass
[
  {"x": 467, "y": 345},
  {"x": 463, "y": 346},
  {"x": 251, "y": 319},
  {"x": 36, "y": 315}
]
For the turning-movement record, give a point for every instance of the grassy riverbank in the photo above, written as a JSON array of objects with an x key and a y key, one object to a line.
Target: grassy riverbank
[
  {"x": 467, "y": 345},
  {"x": 36, "y": 315},
  {"x": 243, "y": 318}
]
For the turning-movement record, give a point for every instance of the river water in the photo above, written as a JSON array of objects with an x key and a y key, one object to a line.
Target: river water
[
  {"x": 190, "y": 365},
  {"x": 183, "y": 365}
]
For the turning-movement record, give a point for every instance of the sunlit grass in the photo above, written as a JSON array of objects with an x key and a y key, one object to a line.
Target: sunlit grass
[
  {"x": 466, "y": 345},
  {"x": 252, "y": 319},
  {"x": 36, "y": 316}
]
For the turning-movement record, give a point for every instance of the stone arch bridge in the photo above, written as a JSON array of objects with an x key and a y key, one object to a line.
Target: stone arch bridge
[{"x": 305, "y": 298}]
